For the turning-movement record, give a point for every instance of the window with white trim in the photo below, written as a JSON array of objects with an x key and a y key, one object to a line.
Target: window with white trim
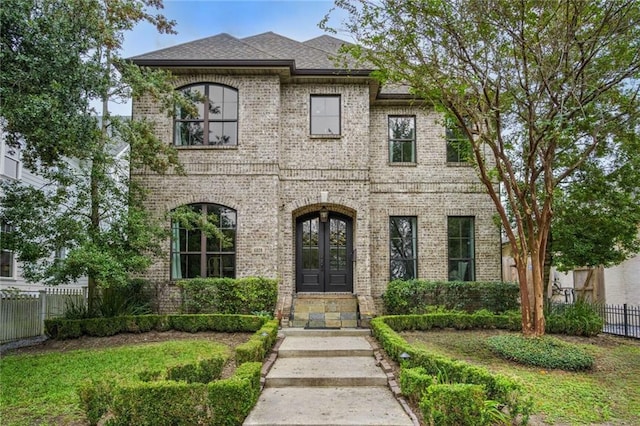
[{"x": 7, "y": 260}]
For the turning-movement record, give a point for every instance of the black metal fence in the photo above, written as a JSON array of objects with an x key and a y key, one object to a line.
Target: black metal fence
[{"x": 622, "y": 320}]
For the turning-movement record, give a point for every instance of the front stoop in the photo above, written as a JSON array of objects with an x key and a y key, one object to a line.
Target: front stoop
[
  {"x": 327, "y": 377},
  {"x": 324, "y": 311}
]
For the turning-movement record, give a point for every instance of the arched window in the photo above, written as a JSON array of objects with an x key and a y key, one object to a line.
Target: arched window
[
  {"x": 216, "y": 119},
  {"x": 195, "y": 254}
]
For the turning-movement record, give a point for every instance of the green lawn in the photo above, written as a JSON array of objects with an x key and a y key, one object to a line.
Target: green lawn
[
  {"x": 41, "y": 389},
  {"x": 610, "y": 393}
]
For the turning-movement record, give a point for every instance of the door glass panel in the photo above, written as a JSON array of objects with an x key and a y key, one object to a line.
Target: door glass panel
[
  {"x": 310, "y": 249},
  {"x": 338, "y": 244}
]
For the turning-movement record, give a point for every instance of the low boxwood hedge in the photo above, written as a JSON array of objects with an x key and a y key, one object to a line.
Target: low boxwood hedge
[
  {"x": 186, "y": 394},
  {"x": 60, "y": 329},
  {"x": 499, "y": 388}
]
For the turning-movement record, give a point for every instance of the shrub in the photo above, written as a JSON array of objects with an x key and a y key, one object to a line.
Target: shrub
[
  {"x": 229, "y": 295},
  {"x": 260, "y": 343},
  {"x": 221, "y": 402},
  {"x": 414, "y": 382},
  {"x": 232, "y": 399},
  {"x": 59, "y": 328},
  {"x": 416, "y": 296},
  {"x": 205, "y": 371},
  {"x": 499, "y": 388},
  {"x": 546, "y": 352},
  {"x": 579, "y": 319},
  {"x": 95, "y": 398},
  {"x": 454, "y": 405},
  {"x": 160, "y": 403}
]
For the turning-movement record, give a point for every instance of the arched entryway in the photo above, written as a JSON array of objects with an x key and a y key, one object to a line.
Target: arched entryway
[{"x": 324, "y": 252}]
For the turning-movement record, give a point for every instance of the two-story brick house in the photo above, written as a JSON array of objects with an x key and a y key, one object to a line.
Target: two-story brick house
[{"x": 320, "y": 177}]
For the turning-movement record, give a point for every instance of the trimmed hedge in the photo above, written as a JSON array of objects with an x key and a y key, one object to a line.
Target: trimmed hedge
[
  {"x": 419, "y": 297},
  {"x": 456, "y": 404},
  {"x": 229, "y": 295},
  {"x": 546, "y": 352},
  {"x": 61, "y": 329},
  {"x": 186, "y": 394},
  {"x": 259, "y": 344},
  {"x": 497, "y": 387},
  {"x": 414, "y": 383},
  {"x": 220, "y": 403}
]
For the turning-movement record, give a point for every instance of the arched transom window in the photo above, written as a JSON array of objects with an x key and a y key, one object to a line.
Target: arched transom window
[
  {"x": 216, "y": 119},
  {"x": 196, "y": 254}
]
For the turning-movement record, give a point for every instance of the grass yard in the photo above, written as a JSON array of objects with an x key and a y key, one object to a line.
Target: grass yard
[
  {"x": 38, "y": 386},
  {"x": 608, "y": 394}
]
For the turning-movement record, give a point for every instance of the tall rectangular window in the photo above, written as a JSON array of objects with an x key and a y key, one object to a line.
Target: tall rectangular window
[
  {"x": 458, "y": 145},
  {"x": 403, "y": 244},
  {"x": 10, "y": 166},
  {"x": 325, "y": 115},
  {"x": 6, "y": 255},
  {"x": 402, "y": 139},
  {"x": 461, "y": 243}
]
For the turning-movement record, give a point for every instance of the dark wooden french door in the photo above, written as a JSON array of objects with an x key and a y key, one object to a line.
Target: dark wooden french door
[{"x": 324, "y": 253}]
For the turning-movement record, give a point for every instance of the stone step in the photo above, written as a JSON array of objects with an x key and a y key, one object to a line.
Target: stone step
[
  {"x": 331, "y": 371},
  {"x": 324, "y": 346},
  {"x": 308, "y": 332},
  {"x": 328, "y": 406}
]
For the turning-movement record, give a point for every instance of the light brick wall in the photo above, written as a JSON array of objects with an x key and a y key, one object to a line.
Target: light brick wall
[{"x": 278, "y": 172}]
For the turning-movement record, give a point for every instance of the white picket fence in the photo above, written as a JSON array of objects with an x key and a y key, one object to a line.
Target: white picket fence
[{"x": 22, "y": 314}]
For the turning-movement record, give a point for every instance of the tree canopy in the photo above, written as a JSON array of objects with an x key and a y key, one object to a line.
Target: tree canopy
[
  {"x": 542, "y": 89},
  {"x": 57, "y": 57}
]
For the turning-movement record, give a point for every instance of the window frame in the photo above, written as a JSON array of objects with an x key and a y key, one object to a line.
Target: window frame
[
  {"x": 204, "y": 252},
  {"x": 311, "y": 116},
  {"x": 414, "y": 247},
  {"x": 455, "y": 135},
  {"x": 7, "y": 229},
  {"x": 470, "y": 268},
  {"x": 12, "y": 154},
  {"x": 392, "y": 141},
  {"x": 206, "y": 120}
]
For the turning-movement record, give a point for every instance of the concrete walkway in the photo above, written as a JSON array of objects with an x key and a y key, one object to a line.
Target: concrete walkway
[{"x": 328, "y": 378}]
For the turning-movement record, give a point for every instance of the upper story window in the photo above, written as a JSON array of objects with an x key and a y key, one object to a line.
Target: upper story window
[
  {"x": 7, "y": 264},
  {"x": 216, "y": 119},
  {"x": 10, "y": 166},
  {"x": 402, "y": 139},
  {"x": 325, "y": 115},
  {"x": 461, "y": 246},
  {"x": 458, "y": 145},
  {"x": 403, "y": 248},
  {"x": 196, "y": 254}
]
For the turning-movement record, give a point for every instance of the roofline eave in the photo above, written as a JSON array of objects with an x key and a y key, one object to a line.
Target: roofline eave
[{"x": 252, "y": 63}]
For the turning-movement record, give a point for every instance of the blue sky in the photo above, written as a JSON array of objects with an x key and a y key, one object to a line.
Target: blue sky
[
  {"x": 196, "y": 19},
  {"x": 296, "y": 19}
]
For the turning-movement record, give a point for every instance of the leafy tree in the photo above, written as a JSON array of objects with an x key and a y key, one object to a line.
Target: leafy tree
[
  {"x": 57, "y": 56},
  {"x": 539, "y": 87},
  {"x": 597, "y": 214}
]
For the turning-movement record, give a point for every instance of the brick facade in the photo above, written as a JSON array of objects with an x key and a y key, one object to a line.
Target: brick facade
[{"x": 278, "y": 172}]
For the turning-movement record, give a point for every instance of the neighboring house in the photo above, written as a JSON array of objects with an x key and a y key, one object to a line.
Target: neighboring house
[
  {"x": 11, "y": 169},
  {"x": 616, "y": 285},
  {"x": 319, "y": 177}
]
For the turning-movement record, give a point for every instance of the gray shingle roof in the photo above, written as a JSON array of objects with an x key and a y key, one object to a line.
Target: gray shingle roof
[
  {"x": 314, "y": 54},
  {"x": 326, "y": 43},
  {"x": 218, "y": 47}
]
